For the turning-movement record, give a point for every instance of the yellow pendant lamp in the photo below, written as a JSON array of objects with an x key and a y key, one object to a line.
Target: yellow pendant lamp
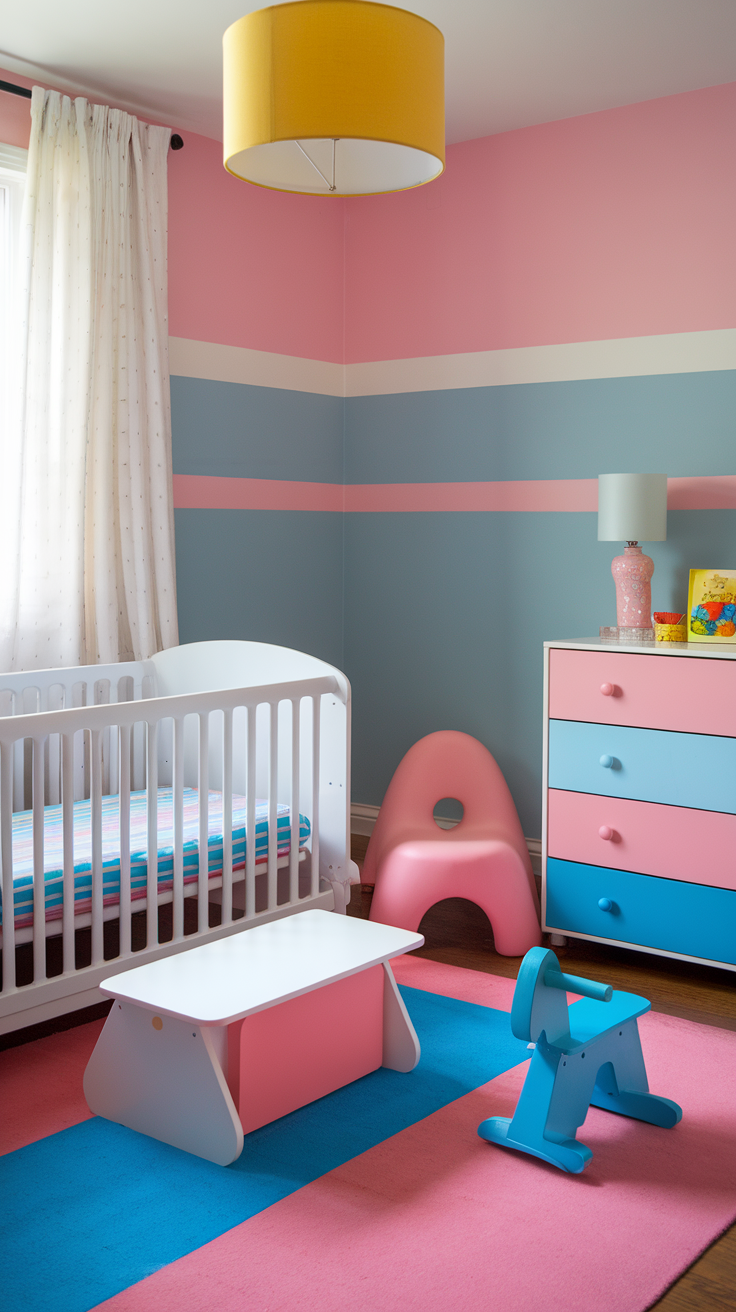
[{"x": 334, "y": 98}]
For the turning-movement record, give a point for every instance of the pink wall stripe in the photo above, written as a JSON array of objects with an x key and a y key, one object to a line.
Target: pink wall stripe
[
  {"x": 542, "y": 494},
  {"x": 717, "y": 493},
  {"x": 204, "y": 492}
]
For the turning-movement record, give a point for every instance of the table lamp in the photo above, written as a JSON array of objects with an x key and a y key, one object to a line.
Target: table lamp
[{"x": 632, "y": 508}]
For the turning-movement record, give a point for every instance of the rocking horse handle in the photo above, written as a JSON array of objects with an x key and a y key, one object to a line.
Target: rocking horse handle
[
  {"x": 539, "y": 997},
  {"x": 554, "y": 979}
]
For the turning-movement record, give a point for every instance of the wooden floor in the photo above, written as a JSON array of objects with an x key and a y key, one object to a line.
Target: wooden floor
[{"x": 459, "y": 934}]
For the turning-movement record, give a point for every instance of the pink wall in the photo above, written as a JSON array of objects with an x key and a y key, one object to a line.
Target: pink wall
[
  {"x": 615, "y": 224},
  {"x": 247, "y": 267},
  {"x": 15, "y": 113},
  {"x": 250, "y": 267}
]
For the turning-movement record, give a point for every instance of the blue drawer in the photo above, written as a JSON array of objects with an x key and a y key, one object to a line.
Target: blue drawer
[
  {"x": 694, "y": 919},
  {"x": 648, "y": 765}
]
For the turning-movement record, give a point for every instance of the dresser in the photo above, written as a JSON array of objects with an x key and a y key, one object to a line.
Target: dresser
[{"x": 639, "y": 823}]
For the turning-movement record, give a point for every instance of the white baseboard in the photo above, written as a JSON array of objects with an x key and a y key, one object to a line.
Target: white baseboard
[
  {"x": 535, "y": 852},
  {"x": 363, "y": 818}
]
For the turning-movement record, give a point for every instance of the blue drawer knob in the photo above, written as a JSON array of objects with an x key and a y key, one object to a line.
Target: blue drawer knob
[
  {"x": 605, "y": 903},
  {"x": 606, "y": 761}
]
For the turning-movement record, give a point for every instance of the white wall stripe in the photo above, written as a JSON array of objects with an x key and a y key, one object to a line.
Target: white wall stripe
[
  {"x": 624, "y": 357},
  {"x": 239, "y": 364}
]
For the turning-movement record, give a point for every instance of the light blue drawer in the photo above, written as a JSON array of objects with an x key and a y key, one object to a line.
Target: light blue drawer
[
  {"x": 694, "y": 919},
  {"x": 648, "y": 765}
]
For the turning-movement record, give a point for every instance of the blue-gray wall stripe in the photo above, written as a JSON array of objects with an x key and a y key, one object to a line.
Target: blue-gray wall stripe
[
  {"x": 684, "y": 424},
  {"x": 240, "y": 431}
]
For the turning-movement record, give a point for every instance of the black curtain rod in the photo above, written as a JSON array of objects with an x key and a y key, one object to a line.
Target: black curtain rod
[
  {"x": 14, "y": 90},
  {"x": 176, "y": 142}
]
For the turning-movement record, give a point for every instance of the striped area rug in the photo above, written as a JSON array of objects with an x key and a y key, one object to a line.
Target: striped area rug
[{"x": 378, "y": 1197}]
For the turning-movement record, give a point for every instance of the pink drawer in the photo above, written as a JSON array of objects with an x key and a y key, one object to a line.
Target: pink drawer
[
  {"x": 673, "y": 842},
  {"x": 685, "y": 693}
]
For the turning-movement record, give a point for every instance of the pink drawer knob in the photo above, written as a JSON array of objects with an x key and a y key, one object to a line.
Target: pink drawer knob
[
  {"x": 606, "y": 832},
  {"x": 608, "y": 689}
]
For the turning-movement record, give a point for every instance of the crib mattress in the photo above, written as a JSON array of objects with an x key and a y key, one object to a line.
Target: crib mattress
[{"x": 53, "y": 848}]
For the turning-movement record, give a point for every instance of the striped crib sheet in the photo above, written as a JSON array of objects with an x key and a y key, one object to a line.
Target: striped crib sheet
[{"x": 53, "y": 848}]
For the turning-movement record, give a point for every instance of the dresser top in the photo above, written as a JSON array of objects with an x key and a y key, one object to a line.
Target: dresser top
[{"x": 720, "y": 652}]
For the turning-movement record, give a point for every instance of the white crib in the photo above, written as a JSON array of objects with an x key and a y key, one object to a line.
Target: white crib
[{"x": 239, "y": 722}]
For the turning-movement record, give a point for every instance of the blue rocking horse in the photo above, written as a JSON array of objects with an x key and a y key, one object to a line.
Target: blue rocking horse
[{"x": 591, "y": 1055}]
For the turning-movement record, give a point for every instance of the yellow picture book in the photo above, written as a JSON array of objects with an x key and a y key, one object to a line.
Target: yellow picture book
[{"x": 711, "y": 606}]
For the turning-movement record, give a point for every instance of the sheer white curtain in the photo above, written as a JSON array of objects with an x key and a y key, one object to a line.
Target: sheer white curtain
[{"x": 86, "y": 507}]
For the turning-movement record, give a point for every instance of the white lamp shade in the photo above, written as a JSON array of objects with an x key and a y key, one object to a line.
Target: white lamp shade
[{"x": 632, "y": 507}]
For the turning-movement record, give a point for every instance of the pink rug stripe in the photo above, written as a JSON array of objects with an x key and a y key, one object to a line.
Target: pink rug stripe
[
  {"x": 434, "y": 1218},
  {"x": 455, "y": 982},
  {"x": 42, "y": 1086}
]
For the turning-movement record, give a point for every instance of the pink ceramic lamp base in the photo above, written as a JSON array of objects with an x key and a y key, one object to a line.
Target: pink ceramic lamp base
[{"x": 632, "y": 574}]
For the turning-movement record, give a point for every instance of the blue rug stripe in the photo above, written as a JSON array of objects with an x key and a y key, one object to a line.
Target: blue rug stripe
[{"x": 96, "y": 1208}]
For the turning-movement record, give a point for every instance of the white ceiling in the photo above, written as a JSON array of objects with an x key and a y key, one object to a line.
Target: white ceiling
[{"x": 510, "y": 63}]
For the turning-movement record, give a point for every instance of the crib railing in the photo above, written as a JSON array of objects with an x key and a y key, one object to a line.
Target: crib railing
[
  {"x": 55, "y": 690},
  {"x": 266, "y": 742}
]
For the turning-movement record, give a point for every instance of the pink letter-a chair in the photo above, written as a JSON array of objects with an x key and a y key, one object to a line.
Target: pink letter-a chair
[{"x": 414, "y": 863}]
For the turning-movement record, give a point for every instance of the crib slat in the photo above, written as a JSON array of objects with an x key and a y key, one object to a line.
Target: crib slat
[
  {"x": 152, "y": 843},
  {"x": 7, "y": 770},
  {"x": 177, "y": 785},
  {"x": 19, "y": 795},
  {"x": 79, "y": 777},
  {"x": 273, "y": 781},
  {"x": 113, "y": 761},
  {"x": 124, "y": 819},
  {"x": 39, "y": 891},
  {"x": 95, "y": 804},
  {"x": 101, "y": 697},
  {"x": 227, "y": 819},
  {"x": 67, "y": 823},
  {"x": 250, "y": 816},
  {"x": 294, "y": 806},
  {"x": 203, "y": 909},
  {"x": 54, "y": 702},
  {"x": 53, "y": 792},
  {"x": 316, "y": 713},
  {"x": 138, "y": 756},
  {"x": 43, "y": 705}
]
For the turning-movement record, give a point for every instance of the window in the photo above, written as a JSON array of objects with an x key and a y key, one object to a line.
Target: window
[{"x": 13, "y": 162}]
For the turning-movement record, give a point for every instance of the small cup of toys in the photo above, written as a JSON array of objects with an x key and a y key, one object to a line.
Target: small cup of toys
[{"x": 669, "y": 626}]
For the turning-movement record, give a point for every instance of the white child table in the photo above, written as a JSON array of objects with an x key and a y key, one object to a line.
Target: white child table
[{"x": 168, "y": 1062}]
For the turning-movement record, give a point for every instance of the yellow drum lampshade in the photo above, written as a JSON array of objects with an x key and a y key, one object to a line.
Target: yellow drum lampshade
[{"x": 334, "y": 97}]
